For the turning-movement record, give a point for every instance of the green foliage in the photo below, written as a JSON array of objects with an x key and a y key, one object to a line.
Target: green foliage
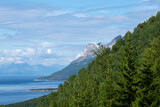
[
  {"x": 28, "y": 103},
  {"x": 118, "y": 45},
  {"x": 149, "y": 83},
  {"x": 126, "y": 89},
  {"x": 145, "y": 79}
]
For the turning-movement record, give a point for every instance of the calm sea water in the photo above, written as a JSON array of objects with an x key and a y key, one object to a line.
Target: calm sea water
[{"x": 13, "y": 89}]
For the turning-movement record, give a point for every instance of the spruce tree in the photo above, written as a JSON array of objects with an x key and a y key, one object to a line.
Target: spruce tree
[
  {"x": 145, "y": 79},
  {"x": 106, "y": 87},
  {"x": 104, "y": 60},
  {"x": 154, "y": 94},
  {"x": 149, "y": 77},
  {"x": 126, "y": 87}
]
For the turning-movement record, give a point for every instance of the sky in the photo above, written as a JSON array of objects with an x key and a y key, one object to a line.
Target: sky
[{"x": 50, "y": 32}]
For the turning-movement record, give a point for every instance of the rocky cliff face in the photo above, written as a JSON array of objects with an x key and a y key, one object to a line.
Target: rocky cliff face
[{"x": 88, "y": 52}]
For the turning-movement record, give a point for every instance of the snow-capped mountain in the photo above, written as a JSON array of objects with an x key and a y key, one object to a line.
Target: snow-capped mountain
[
  {"x": 113, "y": 41},
  {"x": 82, "y": 61},
  {"x": 88, "y": 52}
]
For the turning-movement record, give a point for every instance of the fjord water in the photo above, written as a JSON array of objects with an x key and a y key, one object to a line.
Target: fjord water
[{"x": 13, "y": 89}]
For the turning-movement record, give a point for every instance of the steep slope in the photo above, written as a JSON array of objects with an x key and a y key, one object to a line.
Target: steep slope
[
  {"x": 102, "y": 83},
  {"x": 113, "y": 41},
  {"x": 81, "y": 62}
]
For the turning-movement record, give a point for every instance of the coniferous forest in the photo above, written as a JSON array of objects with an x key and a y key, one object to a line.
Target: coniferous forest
[{"x": 128, "y": 75}]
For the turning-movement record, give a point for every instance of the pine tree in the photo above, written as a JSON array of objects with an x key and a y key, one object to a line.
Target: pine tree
[
  {"x": 149, "y": 77},
  {"x": 145, "y": 79},
  {"x": 155, "y": 92},
  {"x": 104, "y": 61},
  {"x": 126, "y": 88},
  {"x": 106, "y": 87}
]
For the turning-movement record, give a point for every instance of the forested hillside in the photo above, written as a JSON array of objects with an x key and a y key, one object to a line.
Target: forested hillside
[{"x": 128, "y": 75}]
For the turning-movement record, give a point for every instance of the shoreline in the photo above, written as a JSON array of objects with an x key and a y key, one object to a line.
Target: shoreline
[{"x": 43, "y": 90}]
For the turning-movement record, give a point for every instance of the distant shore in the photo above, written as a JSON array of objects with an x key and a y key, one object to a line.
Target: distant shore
[
  {"x": 41, "y": 80},
  {"x": 44, "y": 90}
]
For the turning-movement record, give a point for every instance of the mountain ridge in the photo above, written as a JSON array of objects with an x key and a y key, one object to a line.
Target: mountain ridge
[{"x": 81, "y": 62}]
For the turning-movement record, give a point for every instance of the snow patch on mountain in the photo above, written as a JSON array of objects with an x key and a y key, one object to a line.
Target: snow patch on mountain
[
  {"x": 88, "y": 52},
  {"x": 113, "y": 42}
]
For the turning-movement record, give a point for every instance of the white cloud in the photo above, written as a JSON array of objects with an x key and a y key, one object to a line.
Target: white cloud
[
  {"x": 29, "y": 52},
  {"x": 100, "y": 16},
  {"x": 45, "y": 44},
  {"x": 18, "y": 50},
  {"x": 104, "y": 11},
  {"x": 148, "y": 7},
  {"x": 6, "y": 60},
  {"x": 49, "y": 51},
  {"x": 10, "y": 59},
  {"x": 61, "y": 29},
  {"x": 57, "y": 13},
  {"x": 40, "y": 54},
  {"x": 80, "y": 15},
  {"x": 145, "y": 1},
  {"x": 10, "y": 14}
]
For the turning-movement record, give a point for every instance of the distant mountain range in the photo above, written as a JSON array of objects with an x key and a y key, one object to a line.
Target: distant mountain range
[
  {"x": 29, "y": 70},
  {"x": 81, "y": 62}
]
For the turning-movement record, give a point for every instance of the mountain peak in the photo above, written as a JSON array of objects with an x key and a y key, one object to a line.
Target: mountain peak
[
  {"x": 116, "y": 38},
  {"x": 82, "y": 61},
  {"x": 113, "y": 41},
  {"x": 92, "y": 45},
  {"x": 88, "y": 50}
]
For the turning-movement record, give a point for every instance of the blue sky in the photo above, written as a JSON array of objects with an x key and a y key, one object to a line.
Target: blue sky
[{"x": 52, "y": 32}]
